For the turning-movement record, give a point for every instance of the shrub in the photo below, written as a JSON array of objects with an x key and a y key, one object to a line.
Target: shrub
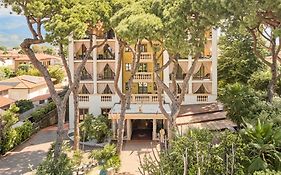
[
  {"x": 24, "y": 105},
  {"x": 41, "y": 112},
  {"x": 94, "y": 128},
  {"x": 62, "y": 166},
  {"x": 107, "y": 157},
  {"x": 240, "y": 101}
]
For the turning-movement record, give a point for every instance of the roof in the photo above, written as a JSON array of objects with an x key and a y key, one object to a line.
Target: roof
[
  {"x": 38, "y": 56},
  {"x": 5, "y": 101},
  {"x": 208, "y": 116},
  {"x": 5, "y": 87},
  {"x": 41, "y": 97},
  {"x": 152, "y": 108},
  {"x": 23, "y": 82}
]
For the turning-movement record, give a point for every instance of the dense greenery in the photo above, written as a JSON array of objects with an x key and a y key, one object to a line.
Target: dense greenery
[
  {"x": 107, "y": 157},
  {"x": 12, "y": 136},
  {"x": 24, "y": 105},
  {"x": 236, "y": 62},
  {"x": 62, "y": 166},
  {"x": 37, "y": 115},
  {"x": 6, "y": 72},
  {"x": 199, "y": 151},
  {"x": 95, "y": 128}
]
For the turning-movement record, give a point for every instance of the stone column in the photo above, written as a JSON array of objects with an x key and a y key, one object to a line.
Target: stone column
[
  {"x": 129, "y": 129},
  {"x": 154, "y": 134}
]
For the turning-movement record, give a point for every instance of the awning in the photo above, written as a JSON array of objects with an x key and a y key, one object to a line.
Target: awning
[{"x": 139, "y": 111}]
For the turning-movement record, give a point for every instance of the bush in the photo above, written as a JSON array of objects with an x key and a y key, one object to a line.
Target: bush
[
  {"x": 24, "y": 105},
  {"x": 15, "y": 136},
  {"x": 241, "y": 102},
  {"x": 40, "y": 113},
  {"x": 62, "y": 166},
  {"x": 94, "y": 128},
  {"x": 107, "y": 157}
]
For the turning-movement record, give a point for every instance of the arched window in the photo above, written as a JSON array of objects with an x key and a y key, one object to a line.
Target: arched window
[
  {"x": 108, "y": 73},
  {"x": 107, "y": 90}
]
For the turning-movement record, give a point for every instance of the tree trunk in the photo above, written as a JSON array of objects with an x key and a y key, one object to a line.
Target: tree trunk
[
  {"x": 121, "y": 124},
  {"x": 60, "y": 130},
  {"x": 76, "y": 120}
]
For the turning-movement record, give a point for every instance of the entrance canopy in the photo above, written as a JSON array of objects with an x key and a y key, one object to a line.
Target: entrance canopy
[{"x": 139, "y": 111}]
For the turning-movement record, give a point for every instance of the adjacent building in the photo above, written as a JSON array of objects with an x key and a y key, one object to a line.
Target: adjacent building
[{"x": 144, "y": 119}]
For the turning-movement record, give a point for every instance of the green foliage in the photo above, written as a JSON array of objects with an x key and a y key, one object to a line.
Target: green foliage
[
  {"x": 14, "y": 136},
  {"x": 3, "y": 48},
  {"x": 260, "y": 80},
  {"x": 56, "y": 72},
  {"x": 26, "y": 69},
  {"x": 240, "y": 101},
  {"x": 60, "y": 166},
  {"x": 237, "y": 62},
  {"x": 6, "y": 72},
  {"x": 267, "y": 172},
  {"x": 107, "y": 157},
  {"x": 24, "y": 105},
  {"x": 207, "y": 152},
  {"x": 94, "y": 128},
  {"x": 77, "y": 157},
  {"x": 265, "y": 142},
  {"x": 41, "y": 112}
]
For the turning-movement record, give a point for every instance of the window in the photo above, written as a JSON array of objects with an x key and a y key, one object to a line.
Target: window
[
  {"x": 128, "y": 66},
  {"x": 142, "y": 67},
  {"x": 143, "y": 48},
  {"x": 108, "y": 73},
  {"x": 107, "y": 90},
  {"x": 85, "y": 75},
  {"x": 154, "y": 86},
  {"x": 82, "y": 113},
  {"x": 127, "y": 49},
  {"x": 142, "y": 88},
  {"x": 127, "y": 86},
  {"x": 84, "y": 90},
  {"x": 200, "y": 74},
  {"x": 41, "y": 101},
  {"x": 105, "y": 111},
  {"x": 201, "y": 90}
]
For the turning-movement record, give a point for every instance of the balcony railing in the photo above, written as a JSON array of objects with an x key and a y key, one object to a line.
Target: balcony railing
[
  {"x": 178, "y": 77},
  {"x": 81, "y": 57},
  {"x": 83, "y": 98},
  {"x": 143, "y": 76},
  {"x": 86, "y": 77},
  {"x": 106, "y": 98},
  {"x": 103, "y": 77},
  {"x": 144, "y": 98},
  {"x": 105, "y": 57},
  {"x": 146, "y": 57},
  {"x": 202, "y": 98},
  {"x": 202, "y": 77}
]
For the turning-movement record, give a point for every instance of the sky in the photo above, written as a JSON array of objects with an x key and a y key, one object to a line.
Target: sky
[{"x": 13, "y": 28}]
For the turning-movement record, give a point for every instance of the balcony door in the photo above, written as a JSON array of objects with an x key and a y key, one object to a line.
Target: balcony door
[
  {"x": 142, "y": 88},
  {"x": 142, "y": 67},
  {"x": 108, "y": 73}
]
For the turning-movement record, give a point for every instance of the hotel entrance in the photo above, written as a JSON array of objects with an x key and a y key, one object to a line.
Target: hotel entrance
[{"x": 142, "y": 129}]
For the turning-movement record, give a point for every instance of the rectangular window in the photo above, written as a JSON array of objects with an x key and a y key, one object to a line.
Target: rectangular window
[
  {"x": 142, "y": 88},
  {"x": 142, "y": 67},
  {"x": 105, "y": 111},
  {"x": 127, "y": 86},
  {"x": 128, "y": 66},
  {"x": 143, "y": 48},
  {"x": 82, "y": 113}
]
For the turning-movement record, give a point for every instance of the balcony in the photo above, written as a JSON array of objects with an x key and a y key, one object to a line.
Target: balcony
[
  {"x": 179, "y": 76},
  {"x": 105, "y": 57},
  {"x": 102, "y": 77},
  {"x": 146, "y": 57},
  {"x": 143, "y": 77},
  {"x": 202, "y": 98},
  {"x": 81, "y": 57},
  {"x": 144, "y": 98},
  {"x": 106, "y": 98},
  {"x": 83, "y": 98}
]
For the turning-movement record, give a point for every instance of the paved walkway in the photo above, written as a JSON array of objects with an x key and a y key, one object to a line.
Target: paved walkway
[
  {"x": 129, "y": 157},
  {"x": 29, "y": 154}
]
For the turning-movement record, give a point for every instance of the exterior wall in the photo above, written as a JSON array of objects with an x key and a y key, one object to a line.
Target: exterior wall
[
  {"x": 41, "y": 90},
  {"x": 18, "y": 94},
  {"x": 97, "y": 100}
]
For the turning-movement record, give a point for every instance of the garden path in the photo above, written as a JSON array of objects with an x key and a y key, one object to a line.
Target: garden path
[
  {"x": 129, "y": 155},
  {"x": 29, "y": 154}
]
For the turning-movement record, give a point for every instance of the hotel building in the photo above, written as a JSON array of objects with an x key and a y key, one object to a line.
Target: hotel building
[{"x": 97, "y": 94}]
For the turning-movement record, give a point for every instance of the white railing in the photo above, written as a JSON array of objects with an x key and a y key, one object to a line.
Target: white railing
[
  {"x": 202, "y": 98},
  {"x": 106, "y": 98},
  {"x": 143, "y": 76},
  {"x": 83, "y": 98},
  {"x": 144, "y": 98},
  {"x": 146, "y": 57}
]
